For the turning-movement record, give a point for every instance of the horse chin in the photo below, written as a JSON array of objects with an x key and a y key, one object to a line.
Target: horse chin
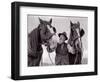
[
  {"x": 48, "y": 47},
  {"x": 51, "y": 44},
  {"x": 50, "y": 50}
]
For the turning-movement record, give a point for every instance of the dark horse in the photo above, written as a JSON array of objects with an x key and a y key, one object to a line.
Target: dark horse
[
  {"x": 40, "y": 35},
  {"x": 75, "y": 41}
]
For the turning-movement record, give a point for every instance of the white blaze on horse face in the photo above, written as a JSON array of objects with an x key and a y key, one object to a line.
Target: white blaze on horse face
[
  {"x": 53, "y": 42},
  {"x": 78, "y": 32},
  {"x": 78, "y": 42},
  {"x": 51, "y": 29}
]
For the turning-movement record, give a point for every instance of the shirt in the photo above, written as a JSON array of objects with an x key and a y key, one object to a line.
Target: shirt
[{"x": 62, "y": 49}]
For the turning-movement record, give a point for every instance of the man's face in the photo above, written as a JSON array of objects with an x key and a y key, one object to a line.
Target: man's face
[{"x": 61, "y": 39}]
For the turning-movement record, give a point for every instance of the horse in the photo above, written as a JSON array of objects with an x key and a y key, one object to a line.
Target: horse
[
  {"x": 75, "y": 41},
  {"x": 42, "y": 35}
]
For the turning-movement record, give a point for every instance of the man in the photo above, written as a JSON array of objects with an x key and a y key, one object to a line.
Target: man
[{"x": 62, "y": 50}]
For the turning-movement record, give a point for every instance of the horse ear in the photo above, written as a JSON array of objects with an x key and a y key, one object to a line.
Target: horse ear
[
  {"x": 41, "y": 21},
  {"x": 50, "y": 21},
  {"x": 71, "y": 23}
]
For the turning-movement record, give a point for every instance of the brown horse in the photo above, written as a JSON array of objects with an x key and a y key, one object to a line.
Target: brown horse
[
  {"x": 40, "y": 35},
  {"x": 75, "y": 41}
]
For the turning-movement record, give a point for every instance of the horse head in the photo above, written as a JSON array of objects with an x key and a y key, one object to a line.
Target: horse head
[
  {"x": 47, "y": 32},
  {"x": 74, "y": 32},
  {"x": 75, "y": 35}
]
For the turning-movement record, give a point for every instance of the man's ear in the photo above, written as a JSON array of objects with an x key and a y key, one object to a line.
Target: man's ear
[
  {"x": 50, "y": 21},
  {"x": 71, "y": 24},
  {"x": 41, "y": 21}
]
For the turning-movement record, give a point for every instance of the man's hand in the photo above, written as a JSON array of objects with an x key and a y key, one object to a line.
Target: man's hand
[{"x": 70, "y": 49}]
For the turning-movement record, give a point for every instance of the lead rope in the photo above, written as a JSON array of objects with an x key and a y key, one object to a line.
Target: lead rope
[{"x": 50, "y": 58}]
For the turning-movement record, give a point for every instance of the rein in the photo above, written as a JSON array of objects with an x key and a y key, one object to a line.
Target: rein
[{"x": 50, "y": 58}]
